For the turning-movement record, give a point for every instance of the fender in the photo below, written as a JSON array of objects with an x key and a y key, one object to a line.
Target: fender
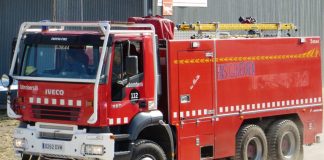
[
  {"x": 170, "y": 133},
  {"x": 143, "y": 120},
  {"x": 147, "y": 119}
]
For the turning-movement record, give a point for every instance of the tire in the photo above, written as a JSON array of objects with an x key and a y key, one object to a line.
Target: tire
[
  {"x": 25, "y": 157},
  {"x": 147, "y": 150},
  {"x": 251, "y": 143},
  {"x": 284, "y": 141},
  {"x": 29, "y": 157},
  {"x": 34, "y": 157}
]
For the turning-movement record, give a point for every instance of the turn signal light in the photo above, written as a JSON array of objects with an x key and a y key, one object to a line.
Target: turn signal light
[
  {"x": 89, "y": 103},
  {"x": 20, "y": 99},
  {"x": 90, "y": 149},
  {"x": 112, "y": 137},
  {"x": 19, "y": 143}
]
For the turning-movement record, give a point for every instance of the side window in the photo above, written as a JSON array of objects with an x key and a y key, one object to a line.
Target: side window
[
  {"x": 117, "y": 69},
  {"x": 117, "y": 89},
  {"x": 126, "y": 52},
  {"x": 137, "y": 51}
]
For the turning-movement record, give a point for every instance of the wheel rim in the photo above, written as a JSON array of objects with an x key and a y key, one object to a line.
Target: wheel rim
[
  {"x": 288, "y": 145},
  {"x": 147, "y": 157},
  {"x": 254, "y": 149}
]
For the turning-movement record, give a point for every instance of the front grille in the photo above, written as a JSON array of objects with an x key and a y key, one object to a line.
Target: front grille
[
  {"x": 48, "y": 126},
  {"x": 60, "y": 136},
  {"x": 56, "y": 113}
]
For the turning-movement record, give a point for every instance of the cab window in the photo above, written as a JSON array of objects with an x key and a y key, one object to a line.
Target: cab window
[{"x": 127, "y": 67}]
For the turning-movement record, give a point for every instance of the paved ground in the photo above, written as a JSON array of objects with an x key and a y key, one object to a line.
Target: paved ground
[
  {"x": 6, "y": 131},
  {"x": 315, "y": 152}
]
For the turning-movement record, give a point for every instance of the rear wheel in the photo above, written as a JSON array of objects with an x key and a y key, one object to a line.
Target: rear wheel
[
  {"x": 251, "y": 143},
  {"x": 147, "y": 150},
  {"x": 284, "y": 141}
]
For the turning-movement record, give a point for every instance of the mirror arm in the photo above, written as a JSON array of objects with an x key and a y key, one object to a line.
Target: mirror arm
[{"x": 11, "y": 113}]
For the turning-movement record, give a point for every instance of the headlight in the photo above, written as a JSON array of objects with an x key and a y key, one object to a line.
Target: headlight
[
  {"x": 89, "y": 149},
  {"x": 19, "y": 143},
  {"x": 6, "y": 80}
]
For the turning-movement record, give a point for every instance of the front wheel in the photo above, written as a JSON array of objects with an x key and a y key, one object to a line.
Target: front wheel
[
  {"x": 147, "y": 150},
  {"x": 25, "y": 157},
  {"x": 29, "y": 157}
]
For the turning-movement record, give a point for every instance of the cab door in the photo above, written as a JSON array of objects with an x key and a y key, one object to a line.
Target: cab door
[
  {"x": 196, "y": 104},
  {"x": 127, "y": 82}
]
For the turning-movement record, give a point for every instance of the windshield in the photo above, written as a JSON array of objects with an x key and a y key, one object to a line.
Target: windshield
[{"x": 60, "y": 61}]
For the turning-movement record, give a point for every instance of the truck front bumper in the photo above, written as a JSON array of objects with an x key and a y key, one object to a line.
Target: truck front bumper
[{"x": 81, "y": 145}]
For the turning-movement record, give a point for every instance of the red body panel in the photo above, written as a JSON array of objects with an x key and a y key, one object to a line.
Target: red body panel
[
  {"x": 248, "y": 78},
  {"x": 74, "y": 96}
]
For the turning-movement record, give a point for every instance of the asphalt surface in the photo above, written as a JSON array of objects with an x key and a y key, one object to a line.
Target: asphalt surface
[{"x": 315, "y": 151}]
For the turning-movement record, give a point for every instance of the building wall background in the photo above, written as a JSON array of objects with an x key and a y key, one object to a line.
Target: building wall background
[
  {"x": 15, "y": 12},
  {"x": 12, "y": 14},
  {"x": 308, "y": 15}
]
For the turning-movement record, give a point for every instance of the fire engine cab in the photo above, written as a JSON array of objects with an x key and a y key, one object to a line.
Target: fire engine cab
[{"x": 135, "y": 90}]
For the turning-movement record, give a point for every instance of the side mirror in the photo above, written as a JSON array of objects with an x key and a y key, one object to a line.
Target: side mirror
[
  {"x": 6, "y": 80},
  {"x": 131, "y": 65}
]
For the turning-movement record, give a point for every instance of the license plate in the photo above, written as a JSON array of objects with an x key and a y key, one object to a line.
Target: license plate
[{"x": 52, "y": 147}]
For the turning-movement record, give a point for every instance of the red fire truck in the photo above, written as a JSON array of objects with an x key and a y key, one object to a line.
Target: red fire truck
[{"x": 107, "y": 90}]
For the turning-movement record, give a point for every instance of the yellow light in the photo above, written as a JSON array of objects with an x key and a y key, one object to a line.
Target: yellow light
[
  {"x": 112, "y": 137},
  {"x": 89, "y": 103},
  {"x": 20, "y": 99}
]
